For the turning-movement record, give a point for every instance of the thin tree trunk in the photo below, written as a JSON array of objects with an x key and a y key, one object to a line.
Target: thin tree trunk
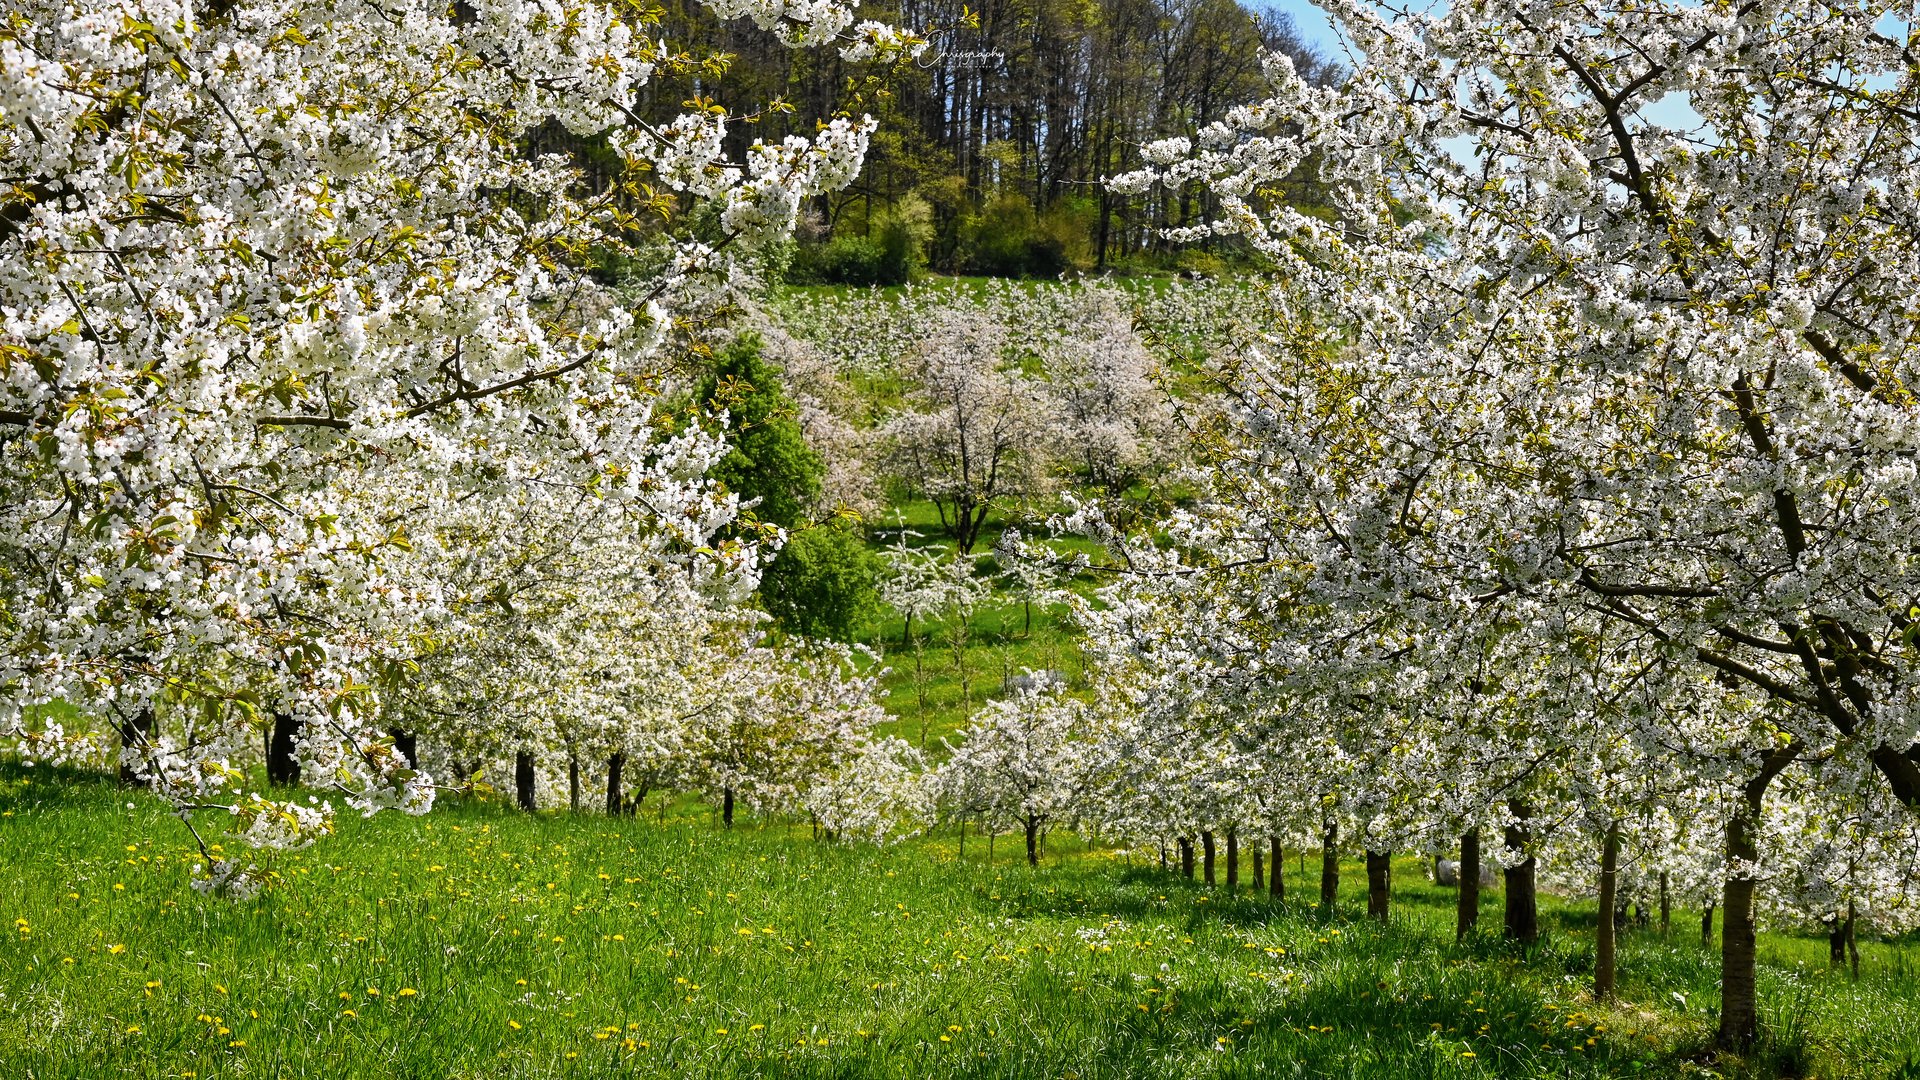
[
  {"x": 1853, "y": 940},
  {"x": 1033, "y": 843},
  {"x": 1379, "y": 883},
  {"x": 138, "y": 731},
  {"x": 1277, "y": 884},
  {"x": 726, "y": 806},
  {"x": 1603, "y": 952},
  {"x": 1329, "y": 868},
  {"x": 616, "y": 764},
  {"x": 573, "y": 782},
  {"x": 1233, "y": 861},
  {"x": 1706, "y": 926},
  {"x": 1186, "y": 857},
  {"x": 1468, "y": 911},
  {"x": 1666, "y": 905},
  {"x": 1206, "y": 841},
  {"x": 1837, "y": 928},
  {"x": 523, "y": 778},
  {"x": 1522, "y": 922},
  {"x": 1259, "y": 869}
]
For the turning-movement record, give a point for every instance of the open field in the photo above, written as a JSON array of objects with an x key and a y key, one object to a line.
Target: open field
[{"x": 483, "y": 942}]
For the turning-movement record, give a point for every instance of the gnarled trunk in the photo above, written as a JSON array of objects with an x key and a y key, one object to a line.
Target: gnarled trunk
[{"x": 1467, "y": 911}]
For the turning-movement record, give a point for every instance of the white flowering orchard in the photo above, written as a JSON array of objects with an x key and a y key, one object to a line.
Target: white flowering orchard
[
  {"x": 1607, "y": 357},
  {"x": 282, "y": 293}
]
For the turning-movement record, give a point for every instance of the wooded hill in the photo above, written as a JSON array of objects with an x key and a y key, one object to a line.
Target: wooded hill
[{"x": 992, "y": 144}]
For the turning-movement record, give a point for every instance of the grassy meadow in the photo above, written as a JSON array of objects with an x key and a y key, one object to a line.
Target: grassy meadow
[{"x": 482, "y": 942}]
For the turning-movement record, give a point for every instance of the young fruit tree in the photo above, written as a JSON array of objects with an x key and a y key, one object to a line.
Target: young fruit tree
[{"x": 1621, "y": 302}]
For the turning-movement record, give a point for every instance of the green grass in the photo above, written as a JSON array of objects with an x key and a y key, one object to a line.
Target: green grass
[{"x": 760, "y": 952}]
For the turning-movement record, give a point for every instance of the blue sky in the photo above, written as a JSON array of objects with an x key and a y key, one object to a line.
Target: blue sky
[{"x": 1310, "y": 21}]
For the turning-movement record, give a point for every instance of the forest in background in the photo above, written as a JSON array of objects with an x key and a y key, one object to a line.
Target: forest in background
[{"x": 991, "y": 145}]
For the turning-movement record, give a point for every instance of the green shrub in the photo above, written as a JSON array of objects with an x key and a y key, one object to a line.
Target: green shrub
[
  {"x": 1007, "y": 241},
  {"x": 770, "y": 460},
  {"x": 822, "y": 584}
]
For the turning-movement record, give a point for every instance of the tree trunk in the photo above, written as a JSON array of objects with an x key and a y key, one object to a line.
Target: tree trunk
[
  {"x": 1853, "y": 941},
  {"x": 283, "y": 763},
  {"x": 1379, "y": 883},
  {"x": 1186, "y": 857},
  {"x": 1739, "y": 1009},
  {"x": 523, "y": 778},
  {"x": 1206, "y": 841},
  {"x": 1523, "y": 913},
  {"x": 1468, "y": 909},
  {"x": 1329, "y": 868},
  {"x": 137, "y": 732},
  {"x": 1837, "y": 929},
  {"x": 573, "y": 782},
  {"x": 1259, "y": 869},
  {"x": 616, "y": 801},
  {"x": 1666, "y": 905},
  {"x": 1603, "y": 950},
  {"x": 1233, "y": 861},
  {"x": 1033, "y": 845},
  {"x": 1277, "y": 884},
  {"x": 407, "y": 745},
  {"x": 726, "y": 806},
  {"x": 1706, "y": 926}
]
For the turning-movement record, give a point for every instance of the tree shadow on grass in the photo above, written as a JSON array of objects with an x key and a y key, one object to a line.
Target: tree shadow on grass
[{"x": 43, "y": 788}]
